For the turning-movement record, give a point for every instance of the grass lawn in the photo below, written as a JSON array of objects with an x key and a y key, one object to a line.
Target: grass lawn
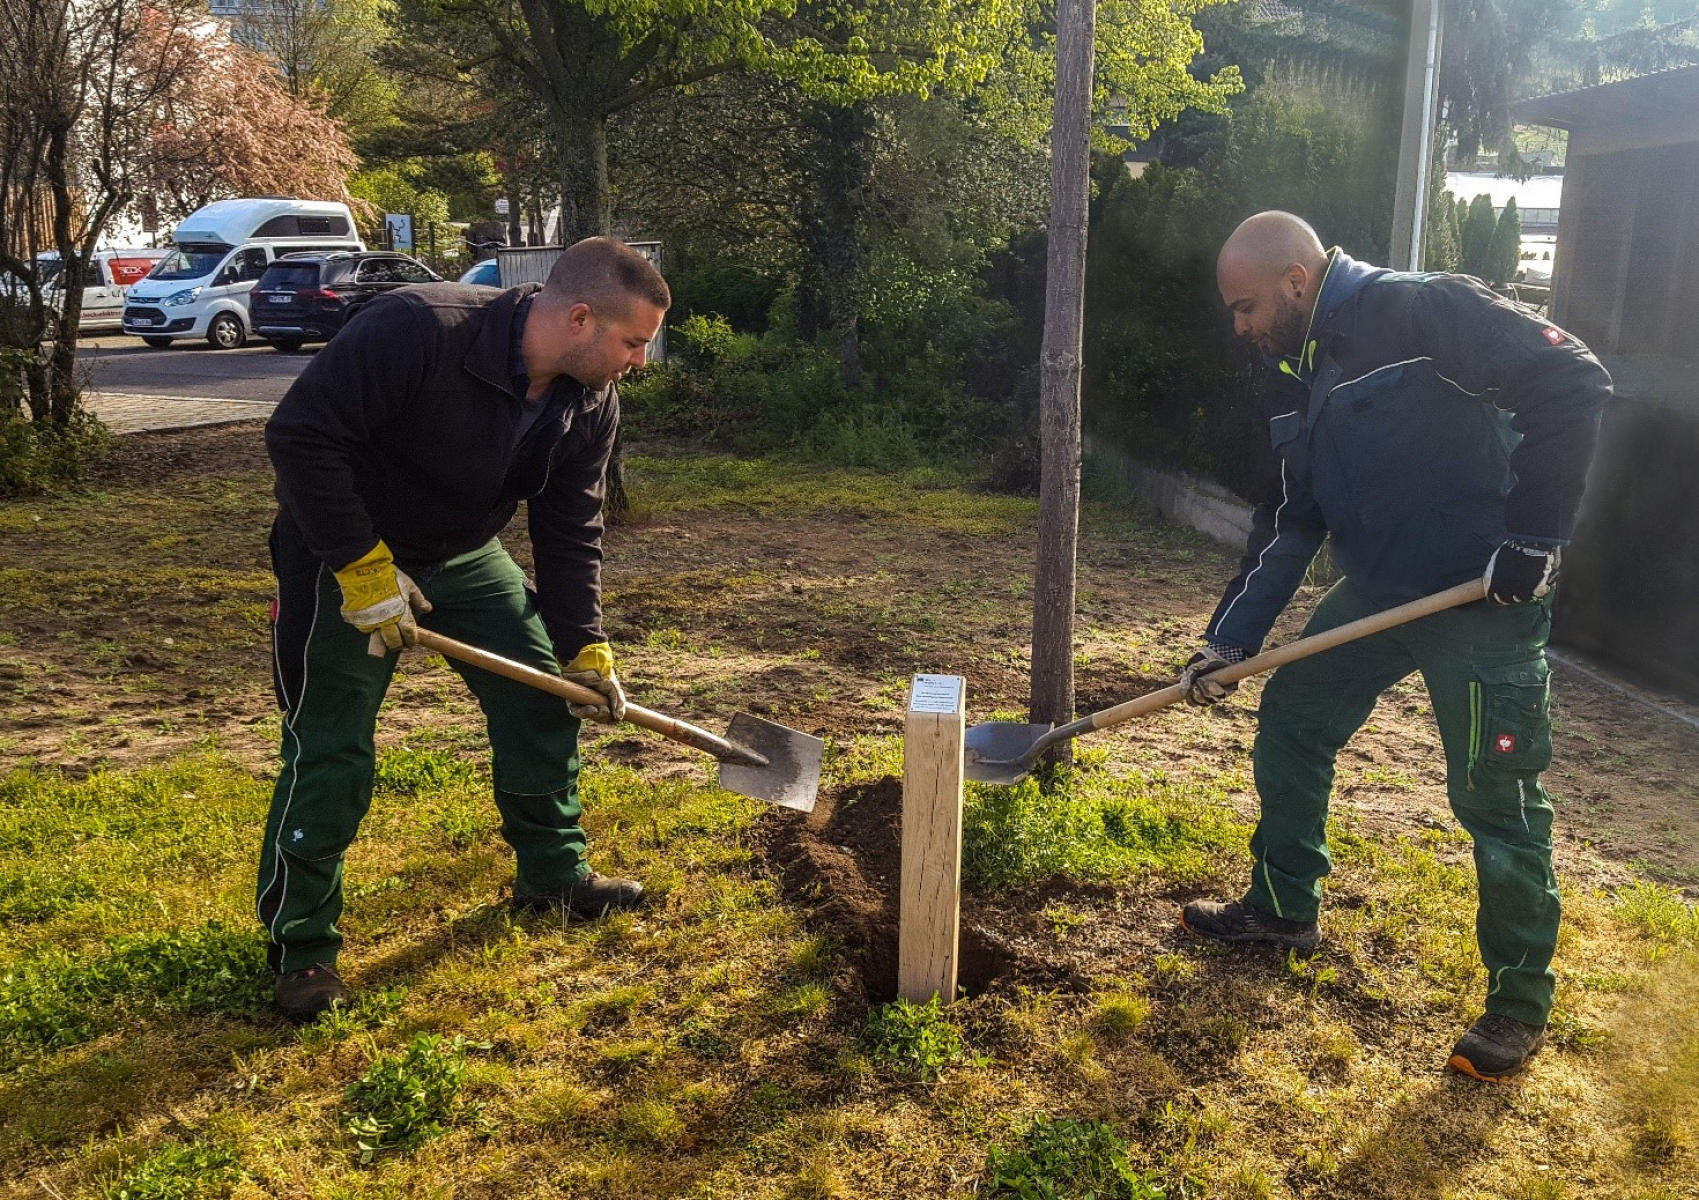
[{"x": 731, "y": 1038}]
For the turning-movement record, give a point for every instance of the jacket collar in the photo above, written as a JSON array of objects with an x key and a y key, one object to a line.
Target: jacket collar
[
  {"x": 1345, "y": 277},
  {"x": 489, "y": 358}
]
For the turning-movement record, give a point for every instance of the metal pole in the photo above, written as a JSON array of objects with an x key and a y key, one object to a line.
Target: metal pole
[{"x": 1415, "y": 155}]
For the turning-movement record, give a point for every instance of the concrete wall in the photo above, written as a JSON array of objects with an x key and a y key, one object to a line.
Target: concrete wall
[{"x": 1183, "y": 499}]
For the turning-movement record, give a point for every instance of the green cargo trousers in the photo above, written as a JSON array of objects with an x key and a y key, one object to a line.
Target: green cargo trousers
[
  {"x": 1486, "y": 673},
  {"x": 330, "y": 690}
]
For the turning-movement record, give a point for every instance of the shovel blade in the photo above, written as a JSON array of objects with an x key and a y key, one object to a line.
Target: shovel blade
[
  {"x": 791, "y": 778},
  {"x": 997, "y": 750}
]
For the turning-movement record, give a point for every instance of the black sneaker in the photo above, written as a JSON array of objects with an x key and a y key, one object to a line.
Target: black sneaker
[
  {"x": 1497, "y": 1048},
  {"x": 591, "y": 897},
  {"x": 300, "y": 996},
  {"x": 1236, "y": 921}
]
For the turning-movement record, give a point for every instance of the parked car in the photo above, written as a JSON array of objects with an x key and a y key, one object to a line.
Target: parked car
[
  {"x": 110, "y": 274},
  {"x": 308, "y": 297},
  {"x": 485, "y": 273},
  {"x": 200, "y": 289}
]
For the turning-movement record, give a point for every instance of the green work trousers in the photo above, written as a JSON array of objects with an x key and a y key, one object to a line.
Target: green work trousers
[
  {"x": 1486, "y": 674},
  {"x": 330, "y": 690}
]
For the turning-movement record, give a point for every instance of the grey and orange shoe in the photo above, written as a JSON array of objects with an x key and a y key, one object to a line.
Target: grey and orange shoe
[
  {"x": 1497, "y": 1048},
  {"x": 1236, "y": 921}
]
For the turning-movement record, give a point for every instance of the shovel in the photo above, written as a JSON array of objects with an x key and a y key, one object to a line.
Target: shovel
[
  {"x": 758, "y": 759},
  {"x": 1004, "y": 751}
]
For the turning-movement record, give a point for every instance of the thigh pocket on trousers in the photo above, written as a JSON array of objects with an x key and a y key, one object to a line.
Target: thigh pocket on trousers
[{"x": 1510, "y": 725}]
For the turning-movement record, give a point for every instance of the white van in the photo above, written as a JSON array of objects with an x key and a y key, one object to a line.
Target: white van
[
  {"x": 110, "y": 274},
  {"x": 200, "y": 289}
]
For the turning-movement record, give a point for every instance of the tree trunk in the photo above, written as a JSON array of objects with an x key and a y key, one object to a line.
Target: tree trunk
[
  {"x": 1059, "y": 374},
  {"x": 831, "y": 229},
  {"x": 586, "y": 198}
]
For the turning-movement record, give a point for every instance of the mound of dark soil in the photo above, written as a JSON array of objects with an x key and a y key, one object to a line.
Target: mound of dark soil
[{"x": 843, "y": 861}]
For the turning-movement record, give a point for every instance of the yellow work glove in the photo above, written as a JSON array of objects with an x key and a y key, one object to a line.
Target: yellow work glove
[
  {"x": 379, "y": 600},
  {"x": 594, "y": 668}
]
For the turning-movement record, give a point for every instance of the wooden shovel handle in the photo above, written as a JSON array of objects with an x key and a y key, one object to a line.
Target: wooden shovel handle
[
  {"x": 648, "y": 718},
  {"x": 1463, "y": 593}
]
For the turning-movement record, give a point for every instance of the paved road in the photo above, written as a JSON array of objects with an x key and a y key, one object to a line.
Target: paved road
[{"x": 117, "y": 363}]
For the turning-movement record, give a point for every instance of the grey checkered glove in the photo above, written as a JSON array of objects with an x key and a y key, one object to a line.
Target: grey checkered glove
[{"x": 1201, "y": 690}]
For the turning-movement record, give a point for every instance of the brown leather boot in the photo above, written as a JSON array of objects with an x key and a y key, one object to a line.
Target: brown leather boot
[
  {"x": 300, "y": 996},
  {"x": 591, "y": 897}
]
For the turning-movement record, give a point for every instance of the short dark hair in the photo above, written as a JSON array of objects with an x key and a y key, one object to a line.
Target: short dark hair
[{"x": 606, "y": 274}]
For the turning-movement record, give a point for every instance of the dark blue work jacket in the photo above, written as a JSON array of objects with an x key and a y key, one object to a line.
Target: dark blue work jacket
[{"x": 1424, "y": 420}]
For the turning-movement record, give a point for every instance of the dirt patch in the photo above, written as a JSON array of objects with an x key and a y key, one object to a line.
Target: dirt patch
[
  {"x": 139, "y": 631},
  {"x": 155, "y": 457},
  {"x": 843, "y": 863}
]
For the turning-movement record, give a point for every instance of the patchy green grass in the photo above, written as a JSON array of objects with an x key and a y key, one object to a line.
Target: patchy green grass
[
  {"x": 720, "y": 1041},
  {"x": 922, "y": 499}
]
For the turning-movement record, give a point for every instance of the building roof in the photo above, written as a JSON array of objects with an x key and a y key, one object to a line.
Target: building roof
[{"x": 1655, "y": 95}]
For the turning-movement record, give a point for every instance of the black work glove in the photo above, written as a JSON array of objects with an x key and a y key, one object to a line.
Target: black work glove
[
  {"x": 1201, "y": 690},
  {"x": 1521, "y": 571}
]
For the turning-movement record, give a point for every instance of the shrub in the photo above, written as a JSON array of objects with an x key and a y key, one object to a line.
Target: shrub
[
  {"x": 403, "y": 1101},
  {"x": 39, "y": 459},
  {"x": 178, "y": 1173},
  {"x": 60, "y": 999},
  {"x": 913, "y": 1037},
  {"x": 1065, "y": 1159}
]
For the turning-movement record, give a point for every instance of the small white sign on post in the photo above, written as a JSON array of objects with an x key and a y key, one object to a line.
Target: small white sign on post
[
  {"x": 399, "y": 228},
  {"x": 502, "y": 206},
  {"x": 929, "y": 913}
]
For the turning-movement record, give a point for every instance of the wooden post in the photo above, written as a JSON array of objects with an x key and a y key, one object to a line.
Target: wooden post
[{"x": 929, "y": 917}]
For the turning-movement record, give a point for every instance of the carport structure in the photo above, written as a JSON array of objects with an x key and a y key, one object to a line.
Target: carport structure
[{"x": 1624, "y": 281}]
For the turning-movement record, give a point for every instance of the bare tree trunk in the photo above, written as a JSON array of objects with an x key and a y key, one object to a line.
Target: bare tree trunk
[{"x": 1059, "y": 373}]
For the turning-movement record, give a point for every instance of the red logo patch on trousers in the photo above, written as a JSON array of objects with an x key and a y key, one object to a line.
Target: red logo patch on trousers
[
  {"x": 1505, "y": 743},
  {"x": 1554, "y": 335}
]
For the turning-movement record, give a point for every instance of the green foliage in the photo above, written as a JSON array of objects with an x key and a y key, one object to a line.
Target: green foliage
[
  {"x": 405, "y": 771},
  {"x": 60, "y": 999},
  {"x": 1065, "y": 1159},
  {"x": 1504, "y": 251},
  {"x": 38, "y": 458},
  {"x": 1163, "y": 378},
  {"x": 1089, "y": 827},
  {"x": 1660, "y": 913},
  {"x": 913, "y": 1037},
  {"x": 1477, "y": 239},
  {"x": 403, "y": 1101},
  {"x": 937, "y": 385},
  {"x": 177, "y": 1172}
]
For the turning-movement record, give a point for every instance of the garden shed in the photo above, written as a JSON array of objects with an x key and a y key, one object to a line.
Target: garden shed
[{"x": 1624, "y": 281}]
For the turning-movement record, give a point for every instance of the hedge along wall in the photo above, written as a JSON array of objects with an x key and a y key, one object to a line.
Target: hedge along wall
[{"x": 1630, "y": 590}]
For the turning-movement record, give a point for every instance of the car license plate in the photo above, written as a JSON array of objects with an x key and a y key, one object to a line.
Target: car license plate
[
  {"x": 280, "y": 297},
  {"x": 143, "y": 321}
]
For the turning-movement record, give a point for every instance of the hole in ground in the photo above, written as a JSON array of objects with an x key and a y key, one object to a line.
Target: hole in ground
[{"x": 844, "y": 863}]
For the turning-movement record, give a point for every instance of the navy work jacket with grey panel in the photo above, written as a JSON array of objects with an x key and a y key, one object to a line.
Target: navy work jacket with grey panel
[
  {"x": 406, "y": 427},
  {"x": 1424, "y": 420}
]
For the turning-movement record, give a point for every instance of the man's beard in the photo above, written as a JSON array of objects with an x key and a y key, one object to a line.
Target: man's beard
[{"x": 1286, "y": 335}]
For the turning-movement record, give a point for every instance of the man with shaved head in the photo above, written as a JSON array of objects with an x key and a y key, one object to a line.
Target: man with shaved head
[
  {"x": 1434, "y": 433},
  {"x": 401, "y": 452}
]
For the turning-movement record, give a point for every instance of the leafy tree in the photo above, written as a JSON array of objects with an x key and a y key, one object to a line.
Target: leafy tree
[
  {"x": 1476, "y": 244},
  {"x": 585, "y": 63},
  {"x": 1440, "y": 251},
  {"x": 229, "y": 126},
  {"x": 1491, "y": 50},
  {"x": 1504, "y": 248},
  {"x": 324, "y": 50},
  {"x": 81, "y": 82}
]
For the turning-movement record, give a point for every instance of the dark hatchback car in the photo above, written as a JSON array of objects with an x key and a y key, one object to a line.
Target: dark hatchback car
[{"x": 307, "y": 297}]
